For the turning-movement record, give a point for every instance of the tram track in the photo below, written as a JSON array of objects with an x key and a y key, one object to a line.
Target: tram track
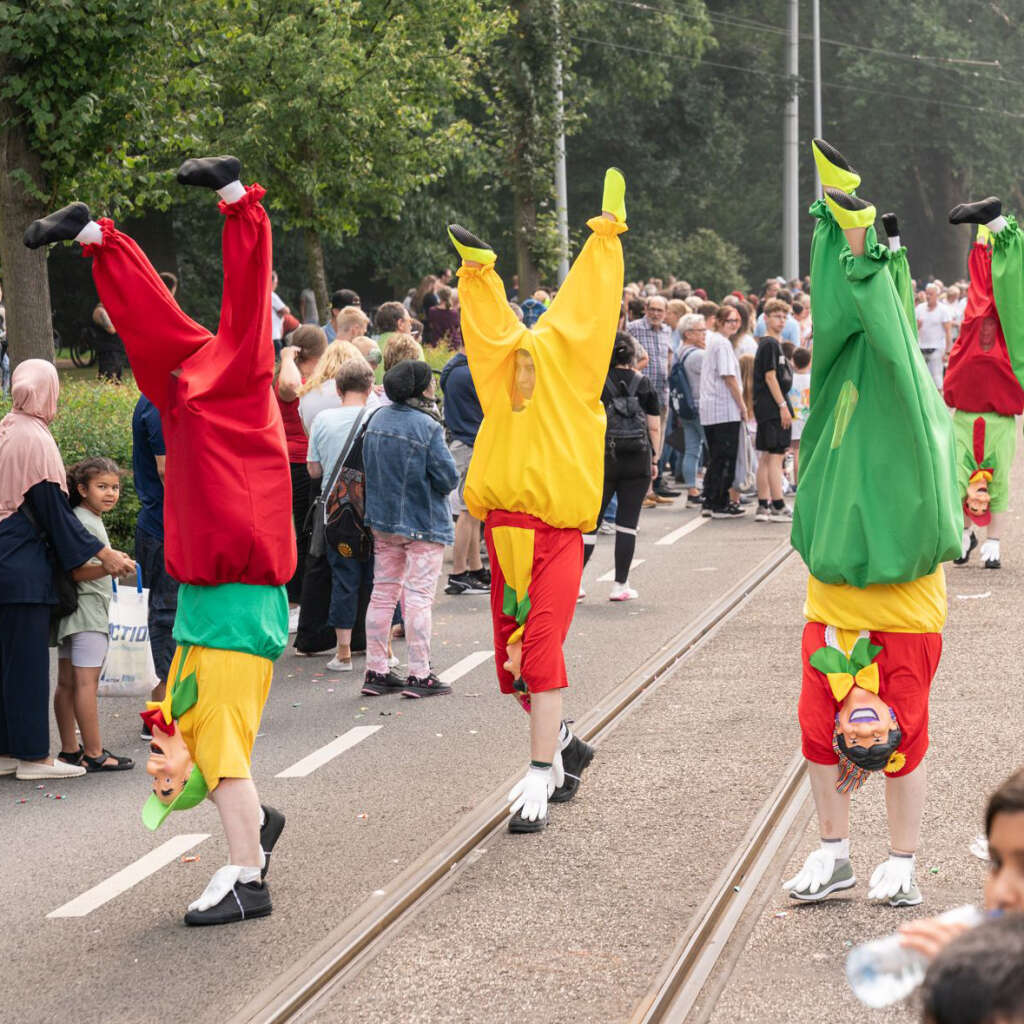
[{"x": 297, "y": 992}]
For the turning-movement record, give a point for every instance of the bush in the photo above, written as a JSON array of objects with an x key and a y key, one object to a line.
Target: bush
[{"x": 95, "y": 418}]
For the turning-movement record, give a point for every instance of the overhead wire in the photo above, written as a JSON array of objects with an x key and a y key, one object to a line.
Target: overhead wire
[{"x": 798, "y": 78}]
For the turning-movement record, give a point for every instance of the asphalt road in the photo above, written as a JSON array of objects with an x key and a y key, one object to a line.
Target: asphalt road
[{"x": 356, "y": 819}]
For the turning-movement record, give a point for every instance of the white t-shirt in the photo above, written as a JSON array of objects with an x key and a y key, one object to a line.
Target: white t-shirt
[
  {"x": 276, "y": 316},
  {"x": 717, "y": 404},
  {"x": 746, "y": 346},
  {"x": 931, "y": 333},
  {"x": 800, "y": 399}
]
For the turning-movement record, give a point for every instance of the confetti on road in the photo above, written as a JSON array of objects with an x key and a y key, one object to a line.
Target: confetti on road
[
  {"x": 362, "y": 817},
  {"x": 298, "y": 705},
  {"x": 190, "y": 860}
]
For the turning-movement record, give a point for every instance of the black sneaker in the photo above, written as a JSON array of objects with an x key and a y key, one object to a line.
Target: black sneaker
[
  {"x": 665, "y": 491},
  {"x": 466, "y": 583},
  {"x": 694, "y": 501},
  {"x": 732, "y": 511},
  {"x": 246, "y": 900},
  {"x": 270, "y": 832},
  {"x": 518, "y": 825},
  {"x": 576, "y": 756},
  {"x": 483, "y": 575},
  {"x": 377, "y": 684},
  {"x": 425, "y": 686},
  {"x": 146, "y": 735}
]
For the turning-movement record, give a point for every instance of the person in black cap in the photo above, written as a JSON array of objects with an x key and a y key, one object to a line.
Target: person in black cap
[{"x": 409, "y": 475}]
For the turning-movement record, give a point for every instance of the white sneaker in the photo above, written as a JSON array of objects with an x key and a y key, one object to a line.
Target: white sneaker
[
  {"x": 764, "y": 515},
  {"x": 782, "y": 515},
  {"x": 293, "y": 620},
  {"x": 393, "y": 661},
  {"x": 581, "y": 595},
  {"x": 336, "y": 664},
  {"x": 622, "y": 592},
  {"x": 48, "y": 770},
  {"x": 8, "y": 765},
  {"x": 606, "y": 527}
]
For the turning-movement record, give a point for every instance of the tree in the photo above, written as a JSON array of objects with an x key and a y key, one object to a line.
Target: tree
[
  {"x": 85, "y": 104},
  {"x": 343, "y": 109}
]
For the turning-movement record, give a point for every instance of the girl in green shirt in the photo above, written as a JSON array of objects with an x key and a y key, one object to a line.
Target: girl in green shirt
[{"x": 94, "y": 486}]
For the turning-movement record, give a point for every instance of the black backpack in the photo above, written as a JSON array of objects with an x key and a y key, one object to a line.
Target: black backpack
[
  {"x": 682, "y": 394},
  {"x": 626, "y": 433}
]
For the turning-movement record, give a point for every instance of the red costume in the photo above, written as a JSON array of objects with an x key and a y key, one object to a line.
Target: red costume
[{"x": 228, "y": 516}]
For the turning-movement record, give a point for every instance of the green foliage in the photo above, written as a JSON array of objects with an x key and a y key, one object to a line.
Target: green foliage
[
  {"x": 715, "y": 263},
  {"x": 95, "y": 418},
  {"x": 92, "y": 82}
]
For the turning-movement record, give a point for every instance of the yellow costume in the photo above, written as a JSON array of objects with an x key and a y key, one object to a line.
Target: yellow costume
[{"x": 543, "y": 454}]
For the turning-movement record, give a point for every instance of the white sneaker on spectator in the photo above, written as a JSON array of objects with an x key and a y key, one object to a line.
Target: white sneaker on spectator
[
  {"x": 8, "y": 765},
  {"x": 293, "y": 620},
  {"x": 764, "y": 515},
  {"x": 336, "y": 664},
  {"x": 622, "y": 592},
  {"x": 393, "y": 661},
  {"x": 606, "y": 527},
  {"x": 782, "y": 515},
  {"x": 48, "y": 770}
]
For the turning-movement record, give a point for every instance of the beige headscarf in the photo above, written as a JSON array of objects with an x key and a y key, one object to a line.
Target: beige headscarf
[{"x": 28, "y": 452}]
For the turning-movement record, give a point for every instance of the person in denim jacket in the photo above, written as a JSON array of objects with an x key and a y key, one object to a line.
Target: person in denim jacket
[{"x": 409, "y": 475}]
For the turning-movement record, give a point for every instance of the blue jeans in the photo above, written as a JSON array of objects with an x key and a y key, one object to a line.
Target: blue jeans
[
  {"x": 347, "y": 575},
  {"x": 691, "y": 456}
]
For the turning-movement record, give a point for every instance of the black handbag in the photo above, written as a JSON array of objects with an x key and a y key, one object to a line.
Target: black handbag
[{"x": 63, "y": 585}]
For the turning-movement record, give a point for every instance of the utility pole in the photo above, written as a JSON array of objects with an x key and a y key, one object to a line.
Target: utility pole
[
  {"x": 790, "y": 152},
  {"x": 561, "y": 191},
  {"x": 816, "y": 32}
]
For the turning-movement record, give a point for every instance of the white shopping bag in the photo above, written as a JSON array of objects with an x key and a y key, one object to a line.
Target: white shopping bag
[{"x": 128, "y": 670}]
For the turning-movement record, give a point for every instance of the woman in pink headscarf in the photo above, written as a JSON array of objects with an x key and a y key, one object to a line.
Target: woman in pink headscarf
[{"x": 34, "y": 503}]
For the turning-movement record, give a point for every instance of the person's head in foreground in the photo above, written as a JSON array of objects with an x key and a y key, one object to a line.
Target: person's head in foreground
[
  {"x": 978, "y": 978},
  {"x": 1004, "y": 828}
]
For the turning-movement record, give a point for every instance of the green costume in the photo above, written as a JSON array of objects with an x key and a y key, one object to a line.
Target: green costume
[
  {"x": 899, "y": 267},
  {"x": 878, "y": 500},
  {"x": 1008, "y": 290},
  {"x": 1000, "y": 445}
]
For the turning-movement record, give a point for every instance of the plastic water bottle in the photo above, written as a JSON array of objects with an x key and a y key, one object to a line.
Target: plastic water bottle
[{"x": 883, "y": 971}]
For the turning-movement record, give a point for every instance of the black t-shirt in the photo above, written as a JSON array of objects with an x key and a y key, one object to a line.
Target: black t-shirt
[
  {"x": 646, "y": 395},
  {"x": 770, "y": 357}
]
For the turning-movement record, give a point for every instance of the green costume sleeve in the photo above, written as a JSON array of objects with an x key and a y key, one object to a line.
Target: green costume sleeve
[
  {"x": 878, "y": 498},
  {"x": 899, "y": 267},
  {"x": 1008, "y": 290}
]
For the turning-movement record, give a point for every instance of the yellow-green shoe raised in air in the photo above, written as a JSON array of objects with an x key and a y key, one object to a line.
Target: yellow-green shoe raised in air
[
  {"x": 849, "y": 211},
  {"x": 833, "y": 168},
  {"x": 984, "y": 235},
  {"x": 614, "y": 199},
  {"x": 469, "y": 247}
]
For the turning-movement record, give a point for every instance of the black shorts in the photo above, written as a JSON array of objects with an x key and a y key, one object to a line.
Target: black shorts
[{"x": 772, "y": 437}]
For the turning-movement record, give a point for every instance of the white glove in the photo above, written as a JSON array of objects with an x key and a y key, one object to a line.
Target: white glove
[
  {"x": 990, "y": 551},
  {"x": 557, "y": 773},
  {"x": 890, "y": 877},
  {"x": 530, "y": 794},
  {"x": 218, "y": 887},
  {"x": 817, "y": 870}
]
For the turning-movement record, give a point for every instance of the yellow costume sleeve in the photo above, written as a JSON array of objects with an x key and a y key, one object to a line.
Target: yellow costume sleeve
[
  {"x": 543, "y": 454},
  {"x": 915, "y": 607}
]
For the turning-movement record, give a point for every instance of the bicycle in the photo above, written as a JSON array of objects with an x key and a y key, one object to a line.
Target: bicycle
[{"x": 82, "y": 346}]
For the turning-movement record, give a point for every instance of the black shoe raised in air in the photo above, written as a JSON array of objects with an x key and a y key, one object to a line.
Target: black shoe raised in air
[
  {"x": 244, "y": 901},
  {"x": 576, "y": 756},
  {"x": 209, "y": 171},
  {"x": 891, "y": 225},
  {"x": 60, "y": 226},
  {"x": 980, "y": 212},
  {"x": 468, "y": 246}
]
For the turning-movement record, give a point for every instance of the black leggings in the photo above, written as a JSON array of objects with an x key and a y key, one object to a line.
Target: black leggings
[
  {"x": 621, "y": 477},
  {"x": 723, "y": 446}
]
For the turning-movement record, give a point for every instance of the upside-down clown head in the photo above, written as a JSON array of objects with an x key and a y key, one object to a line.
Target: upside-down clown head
[
  {"x": 177, "y": 783},
  {"x": 976, "y": 504}
]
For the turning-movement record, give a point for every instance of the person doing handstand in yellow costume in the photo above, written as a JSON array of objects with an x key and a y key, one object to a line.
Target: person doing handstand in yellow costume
[{"x": 536, "y": 477}]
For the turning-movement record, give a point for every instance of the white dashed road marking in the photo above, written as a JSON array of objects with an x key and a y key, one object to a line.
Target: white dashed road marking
[
  {"x": 466, "y": 665},
  {"x": 129, "y": 876},
  {"x": 693, "y": 524},
  {"x": 318, "y": 758}
]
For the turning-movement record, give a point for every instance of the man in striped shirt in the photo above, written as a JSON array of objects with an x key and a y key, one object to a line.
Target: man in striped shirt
[{"x": 651, "y": 332}]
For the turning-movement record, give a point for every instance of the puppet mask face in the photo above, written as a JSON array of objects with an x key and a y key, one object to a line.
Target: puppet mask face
[
  {"x": 524, "y": 379},
  {"x": 987, "y": 337},
  {"x": 169, "y": 763},
  {"x": 864, "y": 719},
  {"x": 978, "y": 498}
]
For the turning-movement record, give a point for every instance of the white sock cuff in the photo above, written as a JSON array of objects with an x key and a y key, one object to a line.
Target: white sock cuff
[
  {"x": 91, "y": 234},
  {"x": 232, "y": 192},
  {"x": 247, "y": 875},
  {"x": 564, "y": 736},
  {"x": 997, "y": 224},
  {"x": 839, "y": 848},
  {"x": 624, "y": 529},
  {"x": 894, "y": 243}
]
